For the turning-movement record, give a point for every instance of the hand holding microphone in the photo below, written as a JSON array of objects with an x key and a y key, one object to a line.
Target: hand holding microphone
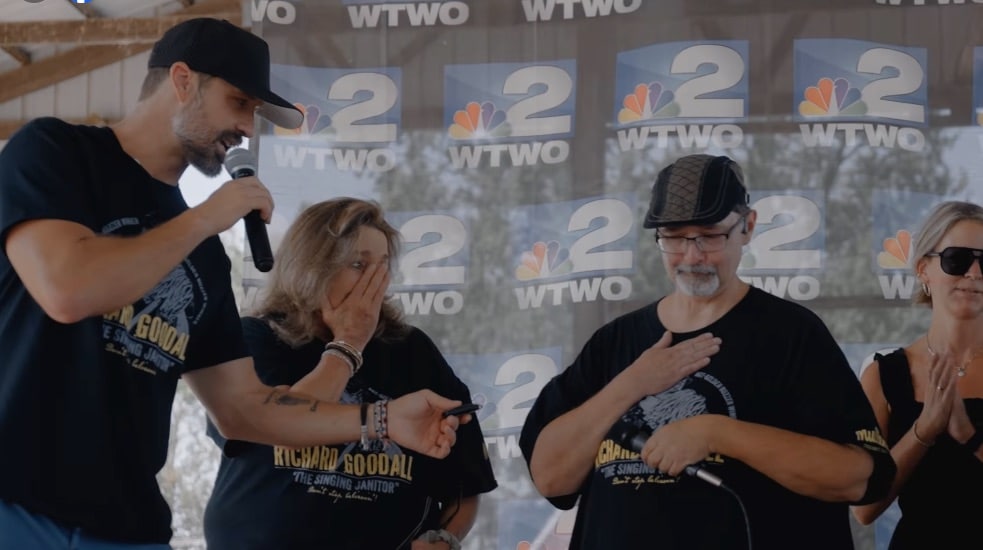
[
  {"x": 634, "y": 439},
  {"x": 240, "y": 164}
]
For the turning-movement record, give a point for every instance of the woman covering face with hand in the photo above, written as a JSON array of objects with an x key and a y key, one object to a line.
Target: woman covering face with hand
[
  {"x": 325, "y": 329},
  {"x": 928, "y": 396}
]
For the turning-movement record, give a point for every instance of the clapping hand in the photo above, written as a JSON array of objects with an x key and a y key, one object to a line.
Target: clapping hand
[{"x": 938, "y": 397}]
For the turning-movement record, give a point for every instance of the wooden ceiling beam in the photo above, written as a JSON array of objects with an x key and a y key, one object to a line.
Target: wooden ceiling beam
[
  {"x": 20, "y": 54},
  {"x": 51, "y": 70},
  {"x": 100, "y": 31}
]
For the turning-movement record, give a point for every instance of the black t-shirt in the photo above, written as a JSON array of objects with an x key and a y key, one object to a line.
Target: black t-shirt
[
  {"x": 944, "y": 488},
  {"x": 778, "y": 366},
  {"x": 85, "y": 407},
  {"x": 339, "y": 496}
]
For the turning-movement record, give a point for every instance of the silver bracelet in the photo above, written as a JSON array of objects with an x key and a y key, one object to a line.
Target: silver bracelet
[
  {"x": 348, "y": 360},
  {"x": 349, "y": 350}
]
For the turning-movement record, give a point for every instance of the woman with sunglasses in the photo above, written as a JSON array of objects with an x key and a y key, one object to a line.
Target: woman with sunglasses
[
  {"x": 324, "y": 328},
  {"x": 928, "y": 396}
]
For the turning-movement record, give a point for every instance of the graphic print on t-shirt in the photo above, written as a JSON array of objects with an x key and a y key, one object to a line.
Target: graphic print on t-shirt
[
  {"x": 347, "y": 472},
  {"x": 700, "y": 393},
  {"x": 152, "y": 334}
]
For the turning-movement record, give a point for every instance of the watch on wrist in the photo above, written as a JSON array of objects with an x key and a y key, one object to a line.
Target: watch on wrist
[{"x": 441, "y": 535}]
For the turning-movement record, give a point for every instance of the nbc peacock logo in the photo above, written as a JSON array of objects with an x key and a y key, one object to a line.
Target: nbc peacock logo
[
  {"x": 897, "y": 251},
  {"x": 479, "y": 121},
  {"x": 832, "y": 97},
  {"x": 543, "y": 260},
  {"x": 648, "y": 102},
  {"x": 315, "y": 123}
]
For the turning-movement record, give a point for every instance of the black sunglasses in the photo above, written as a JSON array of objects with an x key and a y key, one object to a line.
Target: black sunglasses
[{"x": 956, "y": 260}]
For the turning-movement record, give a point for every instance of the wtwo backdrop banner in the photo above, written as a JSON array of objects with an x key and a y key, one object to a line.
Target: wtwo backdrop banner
[{"x": 514, "y": 144}]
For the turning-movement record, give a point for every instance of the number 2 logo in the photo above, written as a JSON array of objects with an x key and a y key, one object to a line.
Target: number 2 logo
[
  {"x": 908, "y": 80},
  {"x": 617, "y": 218},
  {"x": 522, "y": 115},
  {"x": 350, "y": 122},
  {"x": 772, "y": 246},
  {"x": 419, "y": 266},
  {"x": 511, "y": 410},
  {"x": 728, "y": 72}
]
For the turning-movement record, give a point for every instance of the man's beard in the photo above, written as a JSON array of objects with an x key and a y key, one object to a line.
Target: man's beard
[
  {"x": 697, "y": 280},
  {"x": 200, "y": 147}
]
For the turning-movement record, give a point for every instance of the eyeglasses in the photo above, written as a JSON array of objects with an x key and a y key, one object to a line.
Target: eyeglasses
[
  {"x": 711, "y": 242},
  {"x": 957, "y": 260}
]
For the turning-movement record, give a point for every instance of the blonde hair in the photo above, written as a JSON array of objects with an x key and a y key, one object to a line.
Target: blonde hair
[
  {"x": 318, "y": 244},
  {"x": 934, "y": 229}
]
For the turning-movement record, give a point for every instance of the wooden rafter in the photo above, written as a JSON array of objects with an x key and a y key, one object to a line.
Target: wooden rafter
[
  {"x": 52, "y": 70},
  {"x": 80, "y": 60},
  {"x": 101, "y": 31},
  {"x": 20, "y": 54}
]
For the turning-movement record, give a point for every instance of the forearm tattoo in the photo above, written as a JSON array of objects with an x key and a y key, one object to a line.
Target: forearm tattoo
[{"x": 278, "y": 397}]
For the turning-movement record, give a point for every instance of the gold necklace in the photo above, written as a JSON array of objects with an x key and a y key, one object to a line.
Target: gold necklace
[{"x": 960, "y": 370}]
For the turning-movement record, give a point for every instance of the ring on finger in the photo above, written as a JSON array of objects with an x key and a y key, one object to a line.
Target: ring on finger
[{"x": 939, "y": 387}]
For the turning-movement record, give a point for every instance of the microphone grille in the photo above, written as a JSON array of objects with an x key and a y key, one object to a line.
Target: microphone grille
[{"x": 238, "y": 159}]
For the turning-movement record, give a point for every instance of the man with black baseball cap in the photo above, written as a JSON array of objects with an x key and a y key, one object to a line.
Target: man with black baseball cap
[
  {"x": 221, "y": 49},
  {"x": 719, "y": 380},
  {"x": 112, "y": 288}
]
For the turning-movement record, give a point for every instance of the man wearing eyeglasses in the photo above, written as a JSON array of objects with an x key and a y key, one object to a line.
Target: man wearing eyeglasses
[{"x": 719, "y": 380}]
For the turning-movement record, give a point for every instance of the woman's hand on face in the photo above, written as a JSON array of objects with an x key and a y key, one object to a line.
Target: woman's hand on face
[
  {"x": 938, "y": 396},
  {"x": 354, "y": 320}
]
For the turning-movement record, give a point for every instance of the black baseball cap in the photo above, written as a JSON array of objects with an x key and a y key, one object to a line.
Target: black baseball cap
[
  {"x": 696, "y": 190},
  {"x": 219, "y": 48}
]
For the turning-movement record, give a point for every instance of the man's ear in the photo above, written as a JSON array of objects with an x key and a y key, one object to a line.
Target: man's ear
[
  {"x": 751, "y": 219},
  {"x": 183, "y": 81}
]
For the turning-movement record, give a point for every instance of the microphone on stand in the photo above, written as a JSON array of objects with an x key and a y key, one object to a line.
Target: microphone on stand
[
  {"x": 634, "y": 438},
  {"x": 240, "y": 164}
]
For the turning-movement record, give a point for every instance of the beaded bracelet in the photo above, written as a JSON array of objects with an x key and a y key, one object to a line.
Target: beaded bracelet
[
  {"x": 363, "y": 413},
  {"x": 382, "y": 420},
  {"x": 350, "y": 351},
  {"x": 348, "y": 360}
]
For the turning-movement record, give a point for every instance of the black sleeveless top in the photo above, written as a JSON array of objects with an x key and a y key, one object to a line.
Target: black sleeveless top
[{"x": 942, "y": 502}]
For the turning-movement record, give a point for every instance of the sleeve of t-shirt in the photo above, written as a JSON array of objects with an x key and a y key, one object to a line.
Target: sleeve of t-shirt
[
  {"x": 565, "y": 392},
  {"x": 468, "y": 460},
  {"x": 830, "y": 403},
  {"x": 222, "y": 340},
  {"x": 41, "y": 176},
  {"x": 266, "y": 350}
]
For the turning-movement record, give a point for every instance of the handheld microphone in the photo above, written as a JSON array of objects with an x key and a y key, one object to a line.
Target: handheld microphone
[
  {"x": 633, "y": 438},
  {"x": 240, "y": 164},
  {"x": 635, "y": 441}
]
